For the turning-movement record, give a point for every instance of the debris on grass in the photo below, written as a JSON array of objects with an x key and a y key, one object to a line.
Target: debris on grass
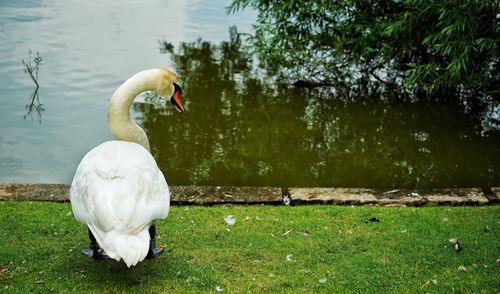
[
  {"x": 404, "y": 231},
  {"x": 289, "y": 258},
  {"x": 191, "y": 279},
  {"x": 498, "y": 261},
  {"x": 372, "y": 220},
  {"x": 230, "y": 220},
  {"x": 218, "y": 289},
  {"x": 391, "y": 191},
  {"x": 429, "y": 282},
  {"x": 303, "y": 234},
  {"x": 456, "y": 244},
  {"x": 286, "y": 200},
  {"x": 285, "y": 234},
  {"x": 322, "y": 280},
  {"x": 462, "y": 268}
]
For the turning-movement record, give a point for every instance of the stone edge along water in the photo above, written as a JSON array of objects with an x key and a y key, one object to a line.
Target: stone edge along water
[{"x": 211, "y": 195}]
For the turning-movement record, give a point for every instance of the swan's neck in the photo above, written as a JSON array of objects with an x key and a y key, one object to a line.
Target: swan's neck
[{"x": 119, "y": 121}]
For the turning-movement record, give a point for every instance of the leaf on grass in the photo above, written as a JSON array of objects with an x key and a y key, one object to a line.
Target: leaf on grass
[
  {"x": 289, "y": 257},
  {"x": 462, "y": 268},
  {"x": 322, "y": 280},
  {"x": 218, "y": 289}
]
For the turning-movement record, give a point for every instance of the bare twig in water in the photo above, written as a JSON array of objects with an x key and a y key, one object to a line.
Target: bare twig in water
[{"x": 34, "y": 101}]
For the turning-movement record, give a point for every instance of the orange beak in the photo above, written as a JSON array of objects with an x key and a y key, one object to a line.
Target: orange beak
[{"x": 176, "y": 98}]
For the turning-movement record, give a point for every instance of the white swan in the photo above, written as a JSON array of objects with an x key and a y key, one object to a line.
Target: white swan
[{"x": 118, "y": 189}]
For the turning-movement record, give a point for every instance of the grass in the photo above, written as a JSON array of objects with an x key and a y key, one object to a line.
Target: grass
[{"x": 303, "y": 249}]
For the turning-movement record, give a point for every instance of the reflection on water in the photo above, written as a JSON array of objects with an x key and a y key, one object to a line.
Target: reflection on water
[
  {"x": 237, "y": 130},
  {"x": 240, "y": 131},
  {"x": 88, "y": 49},
  {"x": 34, "y": 106}
]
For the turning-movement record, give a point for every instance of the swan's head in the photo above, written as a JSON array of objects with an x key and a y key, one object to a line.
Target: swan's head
[{"x": 169, "y": 87}]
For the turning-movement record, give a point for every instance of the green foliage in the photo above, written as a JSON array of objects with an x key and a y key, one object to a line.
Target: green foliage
[{"x": 362, "y": 46}]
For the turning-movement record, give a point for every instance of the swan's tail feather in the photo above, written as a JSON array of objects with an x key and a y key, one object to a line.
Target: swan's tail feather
[{"x": 132, "y": 248}]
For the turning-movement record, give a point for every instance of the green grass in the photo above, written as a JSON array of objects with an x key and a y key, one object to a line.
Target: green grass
[{"x": 40, "y": 243}]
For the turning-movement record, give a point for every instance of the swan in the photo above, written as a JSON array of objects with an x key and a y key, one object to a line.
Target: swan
[{"x": 118, "y": 190}]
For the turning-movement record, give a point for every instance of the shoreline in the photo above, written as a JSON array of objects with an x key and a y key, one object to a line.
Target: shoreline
[{"x": 220, "y": 195}]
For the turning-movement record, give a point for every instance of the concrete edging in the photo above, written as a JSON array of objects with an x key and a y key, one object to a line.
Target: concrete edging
[
  {"x": 409, "y": 197},
  {"x": 210, "y": 195}
]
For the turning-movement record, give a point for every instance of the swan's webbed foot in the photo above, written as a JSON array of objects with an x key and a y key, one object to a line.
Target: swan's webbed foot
[
  {"x": 91, "y": 253},
  {"x": 153, "y": 250},
  {"x": 94, "y": 251}
]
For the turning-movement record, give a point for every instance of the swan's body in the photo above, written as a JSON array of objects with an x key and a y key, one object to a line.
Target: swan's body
[{"x": 118, "y": 189}]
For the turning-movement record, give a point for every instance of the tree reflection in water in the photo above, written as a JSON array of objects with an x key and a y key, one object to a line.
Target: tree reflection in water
[{"x": 240, "y": 130}]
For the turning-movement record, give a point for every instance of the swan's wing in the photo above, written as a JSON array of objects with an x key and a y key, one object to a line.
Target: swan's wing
[{"x": 118, "y": 186}]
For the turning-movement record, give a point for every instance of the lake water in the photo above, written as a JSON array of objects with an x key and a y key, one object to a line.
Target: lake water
[{"x": 236, "y": 130}]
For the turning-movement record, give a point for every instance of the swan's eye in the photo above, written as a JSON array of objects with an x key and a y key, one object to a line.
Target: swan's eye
[{"x": 177, "y": 88}]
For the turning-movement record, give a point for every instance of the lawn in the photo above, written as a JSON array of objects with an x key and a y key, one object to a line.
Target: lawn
[{"x": 301, "y": 249}]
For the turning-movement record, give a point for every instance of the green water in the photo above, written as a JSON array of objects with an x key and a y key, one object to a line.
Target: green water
[{"x": 237, "y": 129}]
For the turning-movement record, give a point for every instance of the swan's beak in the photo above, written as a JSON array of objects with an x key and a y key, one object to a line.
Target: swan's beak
[{"x": 176, "y": 98}]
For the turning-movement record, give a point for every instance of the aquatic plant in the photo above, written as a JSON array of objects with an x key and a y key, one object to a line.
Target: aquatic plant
[{"x": 31, "y": 69}]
